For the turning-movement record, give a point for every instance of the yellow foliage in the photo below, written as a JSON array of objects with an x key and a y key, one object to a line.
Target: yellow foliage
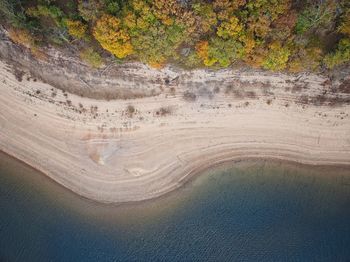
[
  {"x": 157, "y": 64},
  {"x": 202, "y": 49},
  {"x": 231, "y": 28},
  {"x": 130, "y": 20},
  {"x": 76, "y": 28},
  {"x": 345, "y": 26},
  {"x": 112, "y": 37},
  {"x": 277, "y": 57},
  {"x": 142, "y": 22},
  {"x": 249, "y": 43},
  {"x": 139, "y": 5},
  {"x": 165, "y": 9}
]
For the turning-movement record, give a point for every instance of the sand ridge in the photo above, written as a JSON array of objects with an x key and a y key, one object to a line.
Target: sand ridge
[{"x": 132, "y": 150}]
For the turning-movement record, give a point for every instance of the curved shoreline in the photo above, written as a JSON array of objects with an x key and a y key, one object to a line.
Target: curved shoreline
[
  {"x": 190, "y": 178},
  {"x": 110, "y": 156}
]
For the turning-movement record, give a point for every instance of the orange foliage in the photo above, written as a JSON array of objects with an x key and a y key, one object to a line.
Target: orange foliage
[
  {"x": 24, "y": 38},
  {"x": 165, "y": 9},
  {"x": 21, "y": 37},
  {"x": 256, "y": 58},
  {"x": 157, "y": 64},
  {"x": 202, "y": 49}
]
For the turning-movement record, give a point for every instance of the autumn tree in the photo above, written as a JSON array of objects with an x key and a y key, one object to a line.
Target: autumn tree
[
  {"x": 112, "y": 37},
  {"x": 340, "y": 56},
  {"x": 219, "y": 51},
  {"x": 308, "y": 58},
  {"x": 231, "y": 28},
  {"x": 76, "y": 28},
  {"x": 205, "y": 17},
  {"x": 202, "y": 49},
  {"x": 90, "y": 10},
  {"x": 277, "y": 57},
  {"x": 225, "y": 8}
]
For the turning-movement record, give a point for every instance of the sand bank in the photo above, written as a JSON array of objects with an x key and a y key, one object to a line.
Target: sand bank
[{"x": 132, "y": 150}]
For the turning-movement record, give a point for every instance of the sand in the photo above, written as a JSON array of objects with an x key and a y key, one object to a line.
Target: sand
[{"x": 105, "y": 152}]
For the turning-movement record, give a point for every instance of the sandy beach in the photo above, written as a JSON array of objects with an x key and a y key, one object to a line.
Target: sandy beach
[{"x": 138, "y": 149}]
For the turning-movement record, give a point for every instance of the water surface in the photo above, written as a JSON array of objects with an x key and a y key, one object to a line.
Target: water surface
[{"x": 247, "y": 211}]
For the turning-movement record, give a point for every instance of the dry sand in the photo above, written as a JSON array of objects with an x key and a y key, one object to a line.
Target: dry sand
[{"x": 103, "y": 152}]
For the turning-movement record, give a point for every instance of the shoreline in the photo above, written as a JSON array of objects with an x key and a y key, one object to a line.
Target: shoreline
[
  {"x": 102, "y": 151},
  {"x": 190, "y": 179}
]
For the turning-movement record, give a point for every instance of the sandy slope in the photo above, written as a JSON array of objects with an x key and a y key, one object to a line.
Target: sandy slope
[{"x": 106, "y": 155}]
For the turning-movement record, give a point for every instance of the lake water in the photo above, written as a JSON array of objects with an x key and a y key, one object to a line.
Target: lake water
[{"x": 246, "y": 211}]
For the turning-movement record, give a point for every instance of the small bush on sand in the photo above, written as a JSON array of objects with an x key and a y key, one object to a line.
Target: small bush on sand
[
  {"x": 189, "y": 96},
  {"x": 130, "y": 110},
  {"x": 163, "y": 111}
]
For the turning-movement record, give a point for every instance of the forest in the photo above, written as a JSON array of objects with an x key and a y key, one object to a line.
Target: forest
[{"x": 276, "y": 35}]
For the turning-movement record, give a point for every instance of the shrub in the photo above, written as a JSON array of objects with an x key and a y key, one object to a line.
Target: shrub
[
  {"x": 21, "y": 37},
  {"x": 189, "y": 96},
  {"x": 130, "y": 110},
  {"x": 91, "y": 57}
]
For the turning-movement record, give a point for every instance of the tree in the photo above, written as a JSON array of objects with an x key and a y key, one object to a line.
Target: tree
[
  {"x": 219, "y": 51},
  {"x": 202, "y": 49},
  {"x": 259, "y": 26},
  {"x": 340, "y": 56},
  {"x": 231, "y": 28},
  {"x": 277, "y": 57},
  {"x": 225, "y": 8},
  {"x": 317, "y": 15},
  {"x": 90, "y": 10},
  {"x": 205, "y": 17},
  {"x": 76, "y": 28},
  {"x": 112, "y": 37},
  {"x": 50, "y": 11},
  {"x": 225, "y": 52},
  {"x": 305, "y": 59}
]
